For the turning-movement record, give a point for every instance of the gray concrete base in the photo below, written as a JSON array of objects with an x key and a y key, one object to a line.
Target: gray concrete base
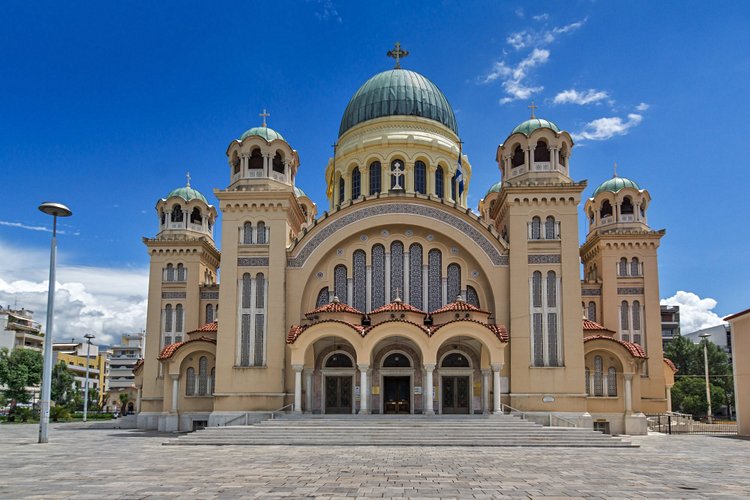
[{"x": 636, "y": 424}]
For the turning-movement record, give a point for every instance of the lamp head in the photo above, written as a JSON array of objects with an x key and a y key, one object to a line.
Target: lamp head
[
  {"x": 56, "y": 209},
  {"x": 704, "y": 335},
  {"x": 89, "y": 336}
]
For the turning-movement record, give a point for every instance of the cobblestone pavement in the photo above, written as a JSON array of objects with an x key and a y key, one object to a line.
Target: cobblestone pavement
[{"x": 110, "y": 463}]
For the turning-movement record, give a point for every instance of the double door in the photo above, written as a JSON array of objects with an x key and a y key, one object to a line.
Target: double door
[
  {"x": 338, "y": 394},
  {"x": 456, "y": 393}
]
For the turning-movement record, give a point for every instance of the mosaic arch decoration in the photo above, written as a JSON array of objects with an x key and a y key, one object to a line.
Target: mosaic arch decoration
[{"x": 356, "y": 216}]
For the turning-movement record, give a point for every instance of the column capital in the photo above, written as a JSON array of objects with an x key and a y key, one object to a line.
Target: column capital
[
  {"x": 485, "y": 371},
  {"x": 174, "y": 376},
  {"x": 363, "y": 367},
  {"x": 298, "y": 368},
  {"x": 628, "y": 376},
  {"x": 429, "y": 367},
  {"x": 496, "y": 367}
]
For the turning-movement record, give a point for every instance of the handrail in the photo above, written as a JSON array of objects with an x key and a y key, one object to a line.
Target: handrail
[
  {"x": 511, "y": 410},
  {"x": 244, "y": 415},
  {"x": 282, "y": 408},
  {"x": 571, "y": 422},
  {"x": 503, "y": 406}
]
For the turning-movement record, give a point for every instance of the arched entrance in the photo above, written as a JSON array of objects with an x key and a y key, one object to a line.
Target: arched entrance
[
  {"x": 396, "y": 362},
  {"x": 458, "y": 360},
  {"x": 338, "y": 383}
]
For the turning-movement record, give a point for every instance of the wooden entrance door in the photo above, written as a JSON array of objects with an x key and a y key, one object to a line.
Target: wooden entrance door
[
  {"x": 397, "y": 392},
  {"x": 338, "y": 394},
  {"x": 456, "y": 394}
]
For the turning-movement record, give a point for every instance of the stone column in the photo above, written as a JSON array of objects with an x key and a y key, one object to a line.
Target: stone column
[
  {"x": 266, "y": 164},
  {"x": 529, "y": 158},
  {"x": 350, "y": 290},
  {"x": 428, "y": 391},
  {"x": 368, "y": 285},
  {"x": 364, "y": 390},
  {"x": 405, "y": 292},
  {"x": 444, "y": 291},
  {"x": 496, "y": 367},
  {"x": 297, "y": 388},
  {"x": 628, "y": 393},
  {"x": 387, "y": 277},
  {"x": 425, "y": 281},
  {"x": 486, "y": 391},
  {"x": 308, "y": 390},
  {"x": 669, "y": 398},
  {"x": 175, "y": 391}
]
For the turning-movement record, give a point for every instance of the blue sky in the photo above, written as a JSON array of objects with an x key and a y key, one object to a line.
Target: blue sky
[{"x": 105, "y": 106}]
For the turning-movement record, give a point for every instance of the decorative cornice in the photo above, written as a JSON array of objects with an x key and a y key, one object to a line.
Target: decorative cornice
[
  {"x": 630, "y": 291},
  {"x": 591, "y": 291},
  {"x": 252, "y": 261},
  {"x": 173, "y": 295},
  {"x": 544, "y": 259},
  {"x": 209, "y": 295}
]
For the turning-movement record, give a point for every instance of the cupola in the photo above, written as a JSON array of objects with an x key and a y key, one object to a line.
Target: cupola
[
  {"x": 618, "y": 203},
  {"x": 185, "y": 211}
]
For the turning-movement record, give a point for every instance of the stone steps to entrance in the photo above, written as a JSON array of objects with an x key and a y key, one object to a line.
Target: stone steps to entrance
[{"x": 413, "y": 430}]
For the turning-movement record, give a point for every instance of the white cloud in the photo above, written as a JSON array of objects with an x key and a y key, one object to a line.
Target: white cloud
[
  {"x": 529, "y": 38},
  {"x": 540, "y": 17},
  {"x": 642, "y": 107},
  {"x": 573, "y": 96},
  {"x": 695, "y": 313},
  {"x": 104, "y": 301},
  {"x": 327, "y": 11},
  {"x": 513, "y": 78},
  {"x": 519, "y": 13},
  {"x": 28, "y": 227},
  {"x": 602, "y": 129}
]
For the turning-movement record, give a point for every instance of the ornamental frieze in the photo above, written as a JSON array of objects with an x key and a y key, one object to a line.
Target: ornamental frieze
[
  {"x": 209, "y": 295},
  {"x": 544, "y": 259},
  {"x": 591, "y": 291},
  {"x": 252, "y": 261},
  {"x": 630, "y": 291},
  {"x": 173, "y": 295},
  {"x": 356, "y": 217}
]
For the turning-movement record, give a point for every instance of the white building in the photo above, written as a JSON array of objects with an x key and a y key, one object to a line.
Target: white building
[
  {"x": 19, "y": 330},
  {"x": 121, "y": 379}
]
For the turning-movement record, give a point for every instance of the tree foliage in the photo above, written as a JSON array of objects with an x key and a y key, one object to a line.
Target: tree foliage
[
  {"x": 63, "y": 385},
  {"x": 20, "y": 369}
]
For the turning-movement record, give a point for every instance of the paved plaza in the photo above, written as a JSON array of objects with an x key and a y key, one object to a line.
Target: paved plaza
[{"x": 114, "y": 463}]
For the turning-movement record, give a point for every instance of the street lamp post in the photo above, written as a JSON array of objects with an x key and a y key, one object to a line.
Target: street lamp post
[
  {"x": 705, "y": 336},
  {"x": 55, "y": 210},
  {"x": 88, "y": 338}
]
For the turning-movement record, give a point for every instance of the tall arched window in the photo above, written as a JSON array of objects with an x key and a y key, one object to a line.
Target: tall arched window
[
  {"x": 375, "y": 177},
  {"x": 255, "y": 162},
  {"x": 278, "y": 163},
  {"x": 209, "y": 313},
  {"x": 261, "y": 236},
  {"x": 340, "y": 284},
  {"x": 636, "y": 315},
  {"x": 247, "y": 233},
  {"x": 627, "y": 206},
  {"x": 549, "y": 228},
  {"x": 541, "y": 152},
  {"x": 552, "y": 340},
  {"x": 342, "y": 189},
  {"x": 624, "y": 313},
  {"x": 246, "y": 290},
  {"x": 203, "y": 376},
  {"x": 622, "y": 269},
  {"x": 434, "y": 279},
  {"x": 170, "y": 272},
  {"x": 260, "y": 320},
  {"x": 537, "y": 318},
  {"x": 420, "y": 177},
  {"x": 439, "y": 182},
  {"x": 545, "y": 311},
  {"x": 177, "y": 213},
  {"x": 397, "y": 270},
  {"x": 536, "y": 287},
  {"x": 588, "y": 381},
  {"x": 359, "y": 279},
  {"x": 536, "y": 228},
  {"x": 168, "y": 319},
  {"x": 592, "y": 311},
  {"x": 190, "y": 382},
  {"x": 606, "y": 210},
  {"x": 635, "y": 267},
  {"x": 181, "y": 272},
  {"x": 260, "y": 291},
  {"x": 598, "y": 377},
  {"x": 178, "y": 318},
  {"x": 322, "y": 297},
  {"x": 472, "y": 297},
  {"x": 236, "y": 163},
  {"x": 246, "y": 321},
  {"x": 356, "y": 183},
  {"x": 518, "y": 157},
  {"x": 612, "y": 382},
  {"x": 415, "y": 275},
  {"x": 454, "y": 282},
  {"x": 377, "y": 294},
  {"x": 195, "y": 216}
]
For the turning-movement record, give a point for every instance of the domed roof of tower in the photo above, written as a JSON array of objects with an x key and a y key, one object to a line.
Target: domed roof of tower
[
  {"x": 398, "y": 92},
  {"x": 187, "y": 193},
  {"x": 614, "y": 185},
  {"x": 495, "y": 188},
  {"x": 532, "y": 124},
  {"x": 267, "y": 133},
  {"x": 298, "y": 192}
]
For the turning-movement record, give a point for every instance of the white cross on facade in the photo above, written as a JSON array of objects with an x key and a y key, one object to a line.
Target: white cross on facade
[{"x": 397, "y": 172}]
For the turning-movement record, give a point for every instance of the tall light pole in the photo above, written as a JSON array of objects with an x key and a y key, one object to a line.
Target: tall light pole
[
  {"x": 55, "y": 210},
  {"x": 705, "y": 336},
  {"x": 88, "y": 338}
]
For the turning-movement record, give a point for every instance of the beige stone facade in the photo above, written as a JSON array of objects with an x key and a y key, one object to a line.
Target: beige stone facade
[
  {"x": 741, "y": 365},
  {"x": 399, "y": 298}
]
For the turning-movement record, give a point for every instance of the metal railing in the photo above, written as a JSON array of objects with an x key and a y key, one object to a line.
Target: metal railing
[
  {"x": 245, "y": 417},
  {"x": 570, "y": 423},
  {"x": 290, "y": 405},
  {"x": 509, "y": 410},
  {"x": 681, "y": 423}
]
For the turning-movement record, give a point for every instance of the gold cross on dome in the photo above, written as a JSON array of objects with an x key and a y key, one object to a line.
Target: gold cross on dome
[
  {"x": 264, "y": 115},
  {"x": 532, "y": 108},
  {"x": 188, "y": 179},
  {"x": 397, "y": 53}
]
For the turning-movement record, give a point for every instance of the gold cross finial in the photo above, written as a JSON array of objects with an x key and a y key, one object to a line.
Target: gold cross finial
[
  {"x": 615, "y": 170},
  {"x": 397, "y": 53},
  {"x": 188, "y": 179},
  {"x": 264, "y": 115},
  {"x": 532, "y": 108}
]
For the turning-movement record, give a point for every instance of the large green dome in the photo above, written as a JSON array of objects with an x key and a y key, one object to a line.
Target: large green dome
[
  {"x": 187, "y": 193},
  {"x": 532, "y": 124},
  {"x": 495, "y": 188},
  {"x": 398, "y": 92},
  {"x": 614, "y": 185},
  {"x": 268, "y": 134}
]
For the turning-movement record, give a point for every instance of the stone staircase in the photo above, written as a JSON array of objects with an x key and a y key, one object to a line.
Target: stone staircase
[{"x": 407, "y": 430}]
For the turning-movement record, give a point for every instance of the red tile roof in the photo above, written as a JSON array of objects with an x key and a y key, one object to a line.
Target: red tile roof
[
  {"x": 207, "y": 328},
  {"x": 500, "y": 331},
  {"x": 296, "y": 330},
  {"x": 138, "y": 364},
  {"x": 334, "y": 307},
  {"x": 635, "y": 350},
  {"x": 589, "y": 325},
  {"x": 671, "y": 364},
  {"x": 457, "y": 306},
  {"x": 170, "y": 349},
  {"x": 398, "y": 306},
  {"x": 396, "y": 320}
]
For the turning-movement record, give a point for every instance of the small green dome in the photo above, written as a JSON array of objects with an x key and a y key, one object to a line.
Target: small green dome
[
  {"x": 187, "y": 193},
  {"x": 298, "y": 192},
  {"x": 614, "y": 185},
  {"x": 398, "y": 92},
  {"x": 495, "y": 188},
  {"x": 268, "y": 134},
  {"x": 532, "y": 124}
]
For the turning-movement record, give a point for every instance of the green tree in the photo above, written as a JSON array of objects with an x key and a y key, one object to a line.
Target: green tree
[
  {"x": 19, "y": 369},
  {"x": 63, "y": 385},
  {"x": 689, "y": 396},
  {"x": 124, "y": 398}
]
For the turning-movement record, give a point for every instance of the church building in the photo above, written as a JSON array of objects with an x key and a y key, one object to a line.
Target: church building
[{"x": 399, "y": 298}]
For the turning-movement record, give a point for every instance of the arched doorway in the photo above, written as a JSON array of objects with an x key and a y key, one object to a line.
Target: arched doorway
[
  {"x": 396, "y": 363},
  {"x": 396, "y": 370},
  {"x": 459, "y": 379},
  {"x": 338, "y": 383}
]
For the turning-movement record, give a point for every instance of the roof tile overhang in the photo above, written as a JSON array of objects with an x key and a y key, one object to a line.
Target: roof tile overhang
[
  {"x": 635, "y": 350},
  {"x": 170, "y": 349},
  {"x": 334, "y": 307},
  {"x": 207, "y": 328},
  {"x": 397, "y": 306},
  {"x": 671, "y": 364},
  {"x": 458, "y": 306},
  {"x": 593, "y": 326}
]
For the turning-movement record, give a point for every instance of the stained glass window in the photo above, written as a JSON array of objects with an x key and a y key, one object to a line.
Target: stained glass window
[
  {"x": 549, "y": 228},
  {"x": 339, "y": 283},
  {"x": 203, "y": 376},
  {"x": 611, "y": 381},
  {"x": 259, "y": 335},
  {"x": 397, "y": 270},
  {"x": 170, "y": 272},
  {"x": 552, "y": 338},
  {"x": 439, "y": 181},
  {"x": 551, "y": 289},
  {"x": 322, "y": 297},
  {"x": 536, "y": 228},
  {"x": 635, "y": 267},
  {"x": 190, "y": 382},
  {"x": 472, "y": 297},
  {"x": 247, "y": 233},
  {"x": 420, "y": 177},
  {"x": 598, "y": 378},
  {"x": 592, "y": 311},
  {"x": 623, "y": 269},
  {"x": 636, "y": 315},
  {"x": 538, "y": 340},
  {"x": 415, "y": 275},
  {"x": 454, "y": 282},
  {"x": 245, "y": 340},
  {"x": 378, "y": 276},
  {"x": 247, "y": 283},
  {"x": 181, "y": 272},
  {"x": 356, "y": 183},
  {"x": 359, "y": 270},
  {"x": 434, "y": 279},
  {"x": 375, "y": 177},
  {"x": 342, "y": 188},
  {"x": 209, "y": 313},
  {"x": 260, "y": 291},
  {"x": 624, "y": 313},
  {"x": 168, "y": 318},
  {"x": 178, "y": 318},
  {"x": 261, "y": 236},
  {"x": 536, "y": 287}
]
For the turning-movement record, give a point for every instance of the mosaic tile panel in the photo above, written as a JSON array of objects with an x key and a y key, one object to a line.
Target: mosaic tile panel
[
  {"x": 415, "y": 275},
  {"x": 397, "y": 270},
  {"x": 173, "y": 295},
  {"x": 377, "y": 294},
  {"x": 359, "y": 271},
  {"x": 434, "y": 279},
  {"x": 544, "y": 259},
  {"x": 454, "y": 282},
  {"x": 252, "y": 261}
]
